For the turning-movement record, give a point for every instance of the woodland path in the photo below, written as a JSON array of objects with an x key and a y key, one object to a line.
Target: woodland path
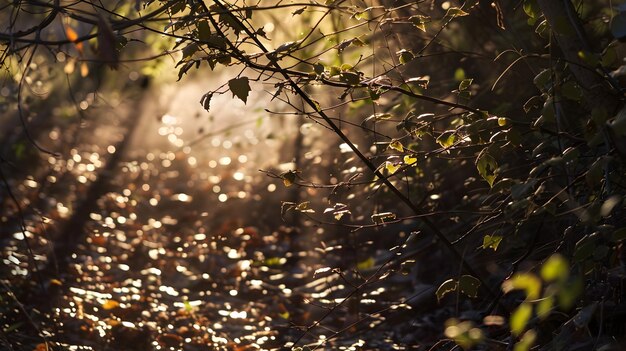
[{"x": 180, "y": 244}]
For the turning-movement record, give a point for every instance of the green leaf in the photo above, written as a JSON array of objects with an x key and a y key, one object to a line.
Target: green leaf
[
  {"x": 405, "y": 56},
  {"x": 378, "y": 117},
  {"x": 543, "y": 79},
  {"x": 569, "y": 293},
  {"x": 350, "y": 78},
  {"x": 304, "y": 207},
  {"x": 492, "y": 242},
  {"x": 520, "y": 318},
  {"x": 318, "y": 68},
  {"x": 585, "y": 247},
  {"x": 465, "y": 83},
  {"x": 619, "y": 235},
  {"x": 532, "y": 9},
  {"x": 188, "y": 306},
  {"x": 447, "y": 138},
  {"x": 419, "y": 21},
  {"x": 610, "y": 58},
  {"x": 487, "y": 167},
  {"x": 366, "y": 264},
  {"x": 240, "y": 87},
  {"x": 275, "y": 261},
  {"x": 448, "y": 286},
  {"x": 454, "y": 12},
  {"x": 571, "y": 90},
  {"x": 589, "y": 58},
  {"x": 527, "y": 341},
  {"x": 468, "y": 285},
  {"x": 528, "y": 282},
  {"x": 459, "y": 74},
  {"x": 544, "y": 307},
  {"x": 556, "y": 268}
]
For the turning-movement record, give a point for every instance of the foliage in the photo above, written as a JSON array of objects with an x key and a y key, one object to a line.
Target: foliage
[{"x": 493, "y": 131}]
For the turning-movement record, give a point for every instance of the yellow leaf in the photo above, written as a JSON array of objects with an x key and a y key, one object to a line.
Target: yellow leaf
[
  {"x": 409, "y": 160},
  {"x": 520, "y": 318},
  {"x": 391, "y": 167},
  {"x": 73, "y": 37},
  {"x": 491, "y": 241},
  {"x": 555, "y": 268},
  {"x": 527, "y": 340},
  {"x": 110, "y": 304},
  {"x": 396, "y": 145},
  {"x": 524, "y": 281},
  {"x": 69, "y": 66},
  {"x": 71, "y": 34},
  {"x": 84, "y": 69},
  {"x": 288, "y": 177},
  {"x": 366, "y": 264}
]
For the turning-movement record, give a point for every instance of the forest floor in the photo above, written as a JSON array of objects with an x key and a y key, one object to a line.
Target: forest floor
[{"x": 187, "y": 249}]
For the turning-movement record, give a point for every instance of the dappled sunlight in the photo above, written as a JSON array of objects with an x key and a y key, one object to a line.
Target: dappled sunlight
[{"x": 320, "y": 175}]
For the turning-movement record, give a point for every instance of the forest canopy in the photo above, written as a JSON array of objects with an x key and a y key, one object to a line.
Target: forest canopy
[{"x": 355, "y": 174}]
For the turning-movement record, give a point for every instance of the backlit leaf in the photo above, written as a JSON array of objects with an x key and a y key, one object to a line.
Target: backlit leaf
[
  {"x": 380, "y": 218},
  {"x": 110, "y": 304},
  {"x": 448, "y": 286},
  {"x": 396, "y": 145},
  {"x": 491, "y": 241},
  {"x": 526, "y": 342},
  {"x": 555, "y": 268},
  {"x": 446, "y": 139},
  {"x": 288, "y": 177},
  {"x": 528, "y": 282},
  {"x": 366, "y": 264},
  {"x": 321, "y": 270},
  {"x": 544, "y": 307},
  {"x": 420, "y": 21},
  {"x": 487, "y": 167},
  {"x": 520, "y": 318},
  {"x": 405, "y": 56},
  {"x": 84, "y": 69},
  {"x": 72, "y": 36},
  {"x": 392, "y": 167},
  {"x": 465, "y": 84},
  {"x": 455, "y": 12},
  {"x": 409, "y": 160}
]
